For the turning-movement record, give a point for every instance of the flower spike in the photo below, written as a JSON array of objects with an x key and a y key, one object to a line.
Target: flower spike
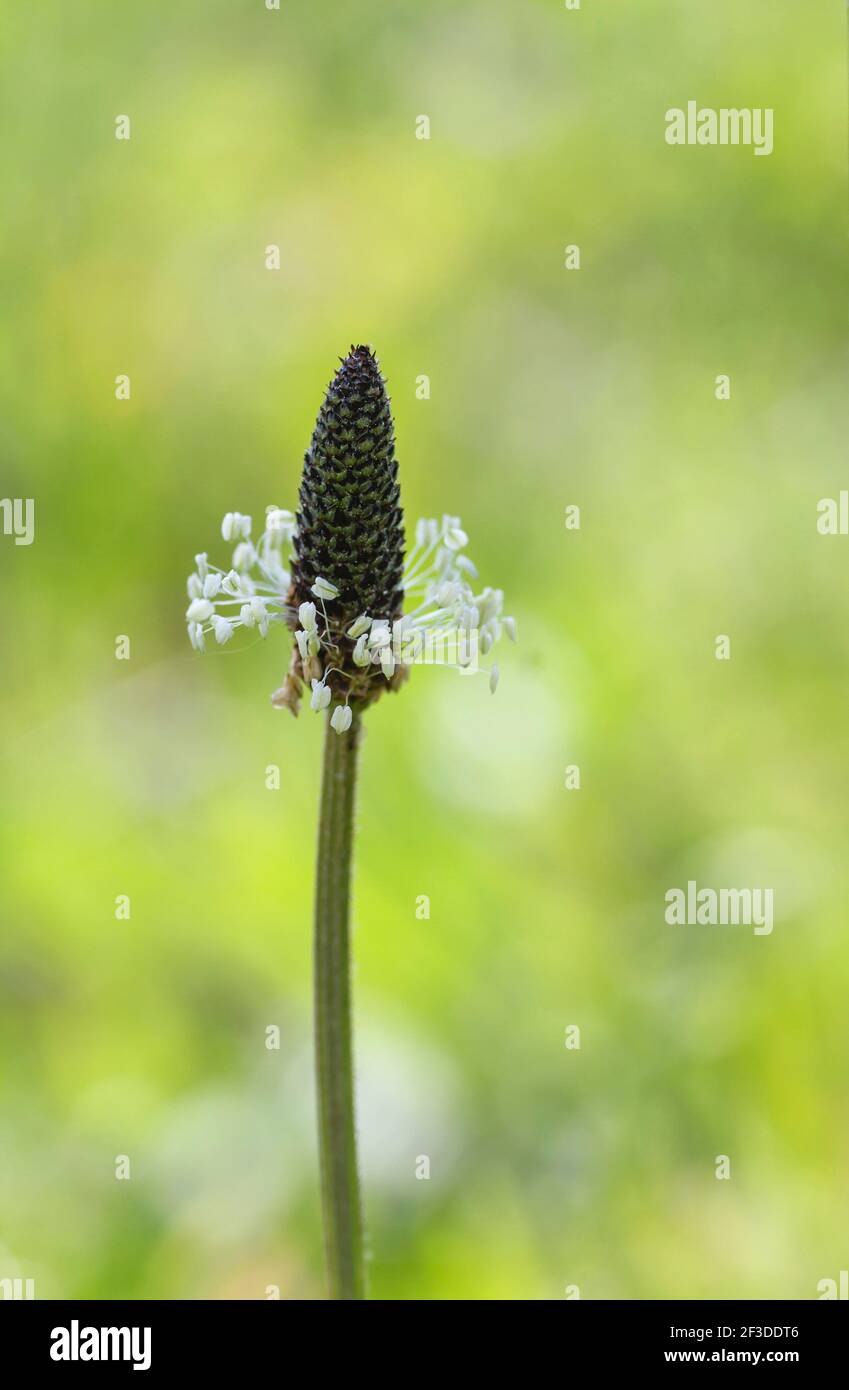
[{"x": 361, "y": 616}]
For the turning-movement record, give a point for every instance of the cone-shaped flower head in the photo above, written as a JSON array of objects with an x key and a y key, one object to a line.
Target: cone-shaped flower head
[
  {"x": 345, "y": 585},
  {"x": 350, "y": 525}
]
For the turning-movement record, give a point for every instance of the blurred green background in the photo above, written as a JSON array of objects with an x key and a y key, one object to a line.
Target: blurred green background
[{"x": 549, "y": 1167}]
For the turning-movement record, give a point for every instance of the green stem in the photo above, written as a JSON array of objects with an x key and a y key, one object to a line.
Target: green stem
[{"x": 340, "y": 1188}]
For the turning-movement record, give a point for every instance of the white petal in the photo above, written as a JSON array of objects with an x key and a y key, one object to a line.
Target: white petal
[
  {"x": 306, "y": 615},
  {"x": 223, "y": 629},
  {"x": 341, "y": 718},
  {"x": 279, "y": 521},
  {"x": 244, "y": 556},
  {"x": 211, "y": 585},
  {"x": 235, "y": 525},
  {"x": 359, "y": 626},
  {"x": 320, "y": 697},
  {"x": 456, "y": 538},
  {"x": 322, "y": 588},
  {"x": 493, "y": 678},
  {"x": 199, "y": 610}
]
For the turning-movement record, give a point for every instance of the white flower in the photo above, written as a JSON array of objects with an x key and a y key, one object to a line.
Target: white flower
[
  {"x": 252, "y": 591},
  {"x": 360, "y": 655},
  {"x": 280, "y": 522},
  {"x": 260, "y": 614},
  {"x": 340, "y": 719},
  {"x": 235, "y": 526},
  {"x": 455, "y": 538},
  {"x": 306, "y": 617},
  {"x": 492, "y": 602},
  {"x": 254, "y": 614},
  {"x": 447, "y": 622},
  {"x": 244, "y": 556},
  {"x": 320, "y": 697},
  {"x": 427, "y": 532},
  {"x": 199, "y": 610}
]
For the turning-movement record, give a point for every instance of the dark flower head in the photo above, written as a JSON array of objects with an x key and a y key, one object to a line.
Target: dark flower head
[
  {"x": 343, "y": 588},
  {"x": 350, "y": 524}
]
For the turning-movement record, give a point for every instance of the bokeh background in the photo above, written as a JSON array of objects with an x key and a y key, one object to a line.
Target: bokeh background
[{"x": 549, "y": 1167}]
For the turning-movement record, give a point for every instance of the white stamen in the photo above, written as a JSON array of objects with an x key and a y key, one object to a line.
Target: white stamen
[
  {"x": 306, "y": 614},
  {"x": 340, "y": 719},
  {"x": 320, "y": 697},
  {"x": 199, "y": 610}
]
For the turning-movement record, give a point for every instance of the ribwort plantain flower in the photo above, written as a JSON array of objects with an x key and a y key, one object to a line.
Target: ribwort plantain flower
[
  {"x": 336, "y": 575},
  {"x": 335, "y": 572}
]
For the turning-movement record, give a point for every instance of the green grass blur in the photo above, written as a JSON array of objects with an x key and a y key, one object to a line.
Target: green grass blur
[{"x": 146, "y": 777}]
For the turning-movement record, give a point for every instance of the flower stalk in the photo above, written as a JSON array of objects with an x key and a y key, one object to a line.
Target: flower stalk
[{"x": 340, "y": 1186}]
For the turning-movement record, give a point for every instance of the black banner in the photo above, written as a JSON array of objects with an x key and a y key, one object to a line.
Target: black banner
[{"x": 83, "y": 1339}]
